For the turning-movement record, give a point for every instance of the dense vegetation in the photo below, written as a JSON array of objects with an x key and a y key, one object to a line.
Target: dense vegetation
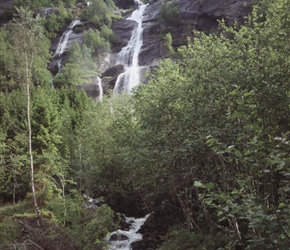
[{"x": 204, "y": 145}]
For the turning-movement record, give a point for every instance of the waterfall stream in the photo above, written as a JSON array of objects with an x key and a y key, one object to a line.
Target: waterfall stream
[
  {"x": 62, "y": 46},
  {"x": 64, "y": 39},
  {"x": 98, "y": 81},
  {"x": 122, "y": 239},
  {"x": 128, "y": 56}
]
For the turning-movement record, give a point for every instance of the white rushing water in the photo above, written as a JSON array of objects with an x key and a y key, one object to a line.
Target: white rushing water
[
  {"x": 128, "y": 56},
  {"x": 64, "y": 39},
  {"x": 126, "y": 238},
  {"x": 99, "y": 83}
]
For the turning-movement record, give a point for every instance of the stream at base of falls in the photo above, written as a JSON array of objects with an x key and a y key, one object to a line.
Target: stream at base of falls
[{"x": 122, "y": 239}]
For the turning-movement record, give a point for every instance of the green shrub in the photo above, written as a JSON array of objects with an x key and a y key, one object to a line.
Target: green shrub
[
  {"x": 169, "y": 12},
  {"x": 8, "y": 230},
  {"x": 98, "y": 41},
  {"x": 168, "y": 43},
  {"x": 94, "y": 226},
  {"x": 181, "y": 239}
]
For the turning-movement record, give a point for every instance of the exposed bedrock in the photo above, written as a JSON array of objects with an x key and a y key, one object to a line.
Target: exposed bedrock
[
  {"x": 124, "y": 4},
  {"x": 202, "y": 15},
  {"x": 122, "y": 30}
]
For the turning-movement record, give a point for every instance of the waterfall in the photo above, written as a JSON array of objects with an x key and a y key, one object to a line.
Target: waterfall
[
  {"x": 64, "y": 39},
  {"x": 128, "y": 56},
  {"x": 61, "y": 47},
  {"x": 98, "y": 81},
  {"x": 122, "y": 239}
]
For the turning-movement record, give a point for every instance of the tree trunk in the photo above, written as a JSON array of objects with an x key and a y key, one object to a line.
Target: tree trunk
[{"x": 30, "y": 137}]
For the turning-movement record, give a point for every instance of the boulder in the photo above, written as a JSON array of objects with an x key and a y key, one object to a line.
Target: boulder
[
  {"x": 116, "y": 236},
  {"x": 54, "y": 66},
  {"x": 113, "y": 71},
  {"x": 92, "y": 90},
  {"x": 110, "y": 76}
]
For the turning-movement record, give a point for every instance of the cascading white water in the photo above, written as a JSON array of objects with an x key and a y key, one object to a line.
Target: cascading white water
[
  {"x": 128, "y": 56},
  {"x": 62, "y": 46},
  {"x": 64, "y": 39},
  {"x": 99, "y": 83},
  {"x": 126, "y": 238}
]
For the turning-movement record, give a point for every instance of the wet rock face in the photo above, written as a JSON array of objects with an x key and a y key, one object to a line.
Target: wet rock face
[
  {"x": 230, "y": 10},
  {"x": 6, "y": 11},
  {"x": 109, "y": 77},
  {"x": 92, "y": 90},
  {"x": 114, "y": 71},
  {"x": 5, "y": 4},
  {"x": 151, "y": 48},
  {"x": 73, "y": 37},
  {"x": 122, "y": 30},
  {"x": 201, "y": 15},
  {"x": 115, "y": 237},
  {"x": 124, "y": 4},
  {"x": 152, "y": 43}
]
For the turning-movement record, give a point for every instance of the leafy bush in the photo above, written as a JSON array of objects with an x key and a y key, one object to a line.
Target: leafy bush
[
  {"x": 169, "y": 12},
  {"x": 9, "y": 230},
  {"x": 94, "y": 226},
  {"x": 168, "y": 44},
  {"x": 54, "y": 23},
  {"x": 181, "y": 238},
  {"x": 79, "y": 68},
  {"x": 97, "y": 41},
  {"x": 99, "y": 12}
]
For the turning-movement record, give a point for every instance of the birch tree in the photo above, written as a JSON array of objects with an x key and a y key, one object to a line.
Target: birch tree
[{"x": 26, "y": 41}]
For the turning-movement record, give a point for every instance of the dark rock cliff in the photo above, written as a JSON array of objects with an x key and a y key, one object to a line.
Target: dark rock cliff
[
  {"x": 201, "y": 15},
  {"x": 6, "y": 11},
  {"x": 124, "y": 4},
  {"x": 122, "y": 30}
]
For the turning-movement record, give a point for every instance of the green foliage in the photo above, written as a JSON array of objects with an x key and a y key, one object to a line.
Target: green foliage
[
  {"x": 205, "y": 143},
  {"x": 43, "y": 3},
  {"x": 46, "y": 139},
  {"x": 68, "y": 209},
  {"x": 169, "y": 12},
  {"x": 8, "y": 230},
  {"x": 54, "y": 23},
  {"x": 168, "y": 44},
  {"x": 13, "y": 174},
  {"x": 97, "y": 41},
  {"x": 79, "y": 68},
  {"x": 99, "y": 12},
  {"x": 6, "y": 61},
  {"x": 26, "y": 33},
  {"x": 200, "y": 141},
  {"x": 100, "y": 223},
  {"x": 106, "y": 33},
  {"x": 180, "y": 239}
]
